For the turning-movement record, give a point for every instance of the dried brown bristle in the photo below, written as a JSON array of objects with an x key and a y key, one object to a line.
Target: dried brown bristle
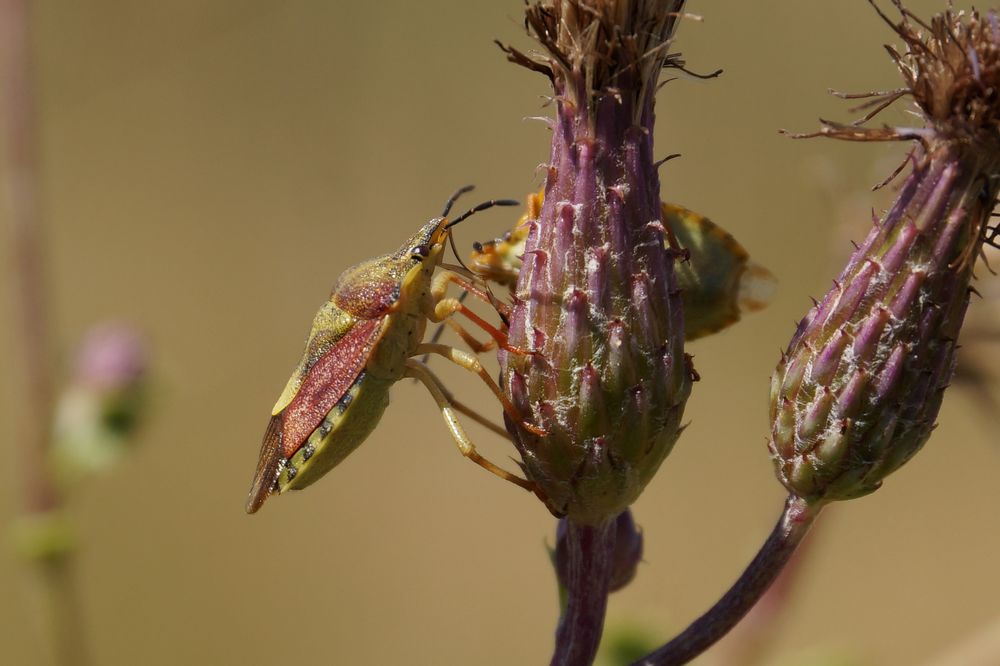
[
  {"x": 951, "y": 70},
  {"x": 614, "y": 45}
]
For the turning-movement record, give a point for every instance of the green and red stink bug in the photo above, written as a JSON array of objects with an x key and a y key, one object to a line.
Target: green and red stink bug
[
  {"x": 718, "y": 280},
  {"x": 362, "y": 342}
]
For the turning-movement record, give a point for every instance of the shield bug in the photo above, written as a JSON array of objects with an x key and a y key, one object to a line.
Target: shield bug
[
  {"x": 718, "y": 279},
  {"x": 363, "y": 340}
]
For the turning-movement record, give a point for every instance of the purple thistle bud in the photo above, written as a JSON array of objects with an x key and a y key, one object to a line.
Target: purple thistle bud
[
  {"x": 857, "y": 392},
  {"x": 596, "y": 302},
  {"x": 112, "y": 356},
  {"x": 99, "y": 411}
]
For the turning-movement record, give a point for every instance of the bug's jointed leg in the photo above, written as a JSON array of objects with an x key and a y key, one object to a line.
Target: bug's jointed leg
[
  {"x": 468, "y": 285},
  {"x": 474, "y": 344},
  {"x": 445, "y": 307},
  {"x": 474, "y": 415},
  {"x": 420, "y": 372},
  {"x": 472, "y": 364},
  {"x": 469, "y": 339}
]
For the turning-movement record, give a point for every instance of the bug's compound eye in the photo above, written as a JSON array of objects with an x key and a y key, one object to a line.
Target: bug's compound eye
[{"x": 419, "y": 252}]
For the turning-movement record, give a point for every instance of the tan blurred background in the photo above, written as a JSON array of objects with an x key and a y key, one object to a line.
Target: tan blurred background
[{"x": 208, "y": 170}]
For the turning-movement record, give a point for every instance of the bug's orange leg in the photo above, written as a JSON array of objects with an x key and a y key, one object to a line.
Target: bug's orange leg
[
  {"x": 474, "y": 344},
  {"x": 469, "y": 285},
  {"x": 472, "y": 364},
  {"x": 420, "y": 372},
  {"x": 446, "y": 307}
]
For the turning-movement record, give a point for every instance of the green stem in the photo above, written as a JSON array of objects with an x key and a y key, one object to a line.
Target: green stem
[
  {"x": 56, "y": 587},
  {"x": 54, "y": 583}
]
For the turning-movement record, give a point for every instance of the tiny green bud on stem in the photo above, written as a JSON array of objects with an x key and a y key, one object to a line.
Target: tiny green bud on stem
[{"x": 99, "y": 411}]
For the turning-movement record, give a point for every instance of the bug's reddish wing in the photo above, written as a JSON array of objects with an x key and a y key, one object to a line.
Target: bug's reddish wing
[
  {"x": 325, "y": 384},
  {"x": 267, "y": 465},
  {"x": 329, "y": 378}
]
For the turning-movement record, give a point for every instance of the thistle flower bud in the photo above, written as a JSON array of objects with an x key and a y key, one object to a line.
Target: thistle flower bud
[
  {"x": 717, "y": 279},
  {"x": 112, "y": 357},
  {"x": 596, "y": 303},
  {"x": 857, "y": 392},
  {"x": 100, "y": 409}
]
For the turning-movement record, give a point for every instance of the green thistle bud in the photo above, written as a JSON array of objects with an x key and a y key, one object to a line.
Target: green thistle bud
[
  {"x": 100, "y": 410},
  {"x": 857, "y": 393},
  {"x": 596, "y": 302}
]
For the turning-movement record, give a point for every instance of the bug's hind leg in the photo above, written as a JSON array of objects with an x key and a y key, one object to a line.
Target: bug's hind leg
[
  {"x": 473, "y": 414},
  {"x": 420, "y": 372}
]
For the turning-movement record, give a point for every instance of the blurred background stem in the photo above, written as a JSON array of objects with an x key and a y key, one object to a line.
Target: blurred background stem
[
  {"x": 59, "y": 611},
  {"x": 52, "y": 583}
]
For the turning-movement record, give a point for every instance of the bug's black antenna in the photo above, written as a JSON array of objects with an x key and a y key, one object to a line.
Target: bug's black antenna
[
  {"x": 453, "y": 198},
  {"x": 475, "y": 209},
  {"x": 481, "y": 207}
]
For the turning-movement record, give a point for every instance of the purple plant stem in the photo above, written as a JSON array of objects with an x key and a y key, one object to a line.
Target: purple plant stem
[
  {"x": 750, "y": 642},
  {"x": 701, "y": 634},
  {"x": 26, "y": 264},
  {"x": 53, "y": 577},
  {"x": 590, "y": 562}
]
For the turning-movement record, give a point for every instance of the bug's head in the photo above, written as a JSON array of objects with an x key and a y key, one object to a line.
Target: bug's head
[
  {"x": 370, "y": 288},
  {"x": 427, "y": 245},
  {"x": 425, "y": 248}
]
